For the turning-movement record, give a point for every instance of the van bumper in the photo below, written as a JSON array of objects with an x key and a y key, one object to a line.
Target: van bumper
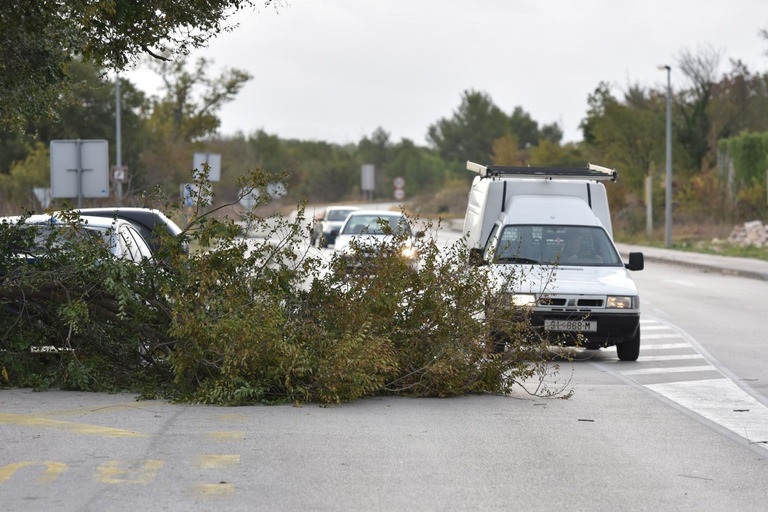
[{"x": 612, "y": 328}]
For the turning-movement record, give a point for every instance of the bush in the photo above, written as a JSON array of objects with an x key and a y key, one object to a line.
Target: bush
[{"x": 242, "y": 321}]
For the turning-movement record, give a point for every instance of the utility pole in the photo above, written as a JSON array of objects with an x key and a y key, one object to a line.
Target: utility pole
[
  {"x": 118, "y": 152},
  {"x": 668, "y": 211}
]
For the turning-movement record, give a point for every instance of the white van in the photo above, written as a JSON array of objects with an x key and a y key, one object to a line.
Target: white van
[{"x": 547, "y": 232}]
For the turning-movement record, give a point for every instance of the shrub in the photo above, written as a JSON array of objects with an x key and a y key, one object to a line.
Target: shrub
[{"x": 242, "y": 320}]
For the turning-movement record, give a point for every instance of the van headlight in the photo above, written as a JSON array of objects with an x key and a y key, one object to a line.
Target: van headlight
[
  {"x": 621, "y": 302},
  {"x": 408, "y": 252},
  {"x": 523, "y": 299}
]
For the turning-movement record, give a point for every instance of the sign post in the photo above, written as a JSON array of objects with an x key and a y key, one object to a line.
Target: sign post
[
  {"x": 399, "y": 184},
  {"x": 70, "y": 159},
  {"x": 214, "y": 164},
  {"x": 367, "y": 180}
]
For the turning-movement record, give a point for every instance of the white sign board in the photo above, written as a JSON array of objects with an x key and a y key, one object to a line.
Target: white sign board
[
  {"x": 43, "y": 195},
  {"x": 367, "y": 177},
  {"x": 192, "y": 195},
  {"x": 248, "y": 201},
  {"x": 79, "y": 168},
  {"x": 276, "y": 189},
  {"x": 214, "y": 164}
]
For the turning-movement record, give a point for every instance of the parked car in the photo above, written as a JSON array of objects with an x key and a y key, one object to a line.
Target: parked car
[
  {"x": 144, "y": 219},
  {"x": 371, "y": 230},
  {"x": 327, "y": 224},
  {"x": 120, "y": 237}
]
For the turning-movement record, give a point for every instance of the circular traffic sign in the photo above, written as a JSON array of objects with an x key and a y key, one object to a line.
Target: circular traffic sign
[
  {"x": 399, "y": 194},
  {"x": 399, "y": 182}
]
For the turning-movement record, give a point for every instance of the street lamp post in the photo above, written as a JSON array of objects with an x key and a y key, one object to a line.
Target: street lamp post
[
  {"x": 668, "y": 209},
  {"x": 118, "y": 136}
]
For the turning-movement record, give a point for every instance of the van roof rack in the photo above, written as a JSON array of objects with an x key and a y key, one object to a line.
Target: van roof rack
[{"x": 592, "y": 171}]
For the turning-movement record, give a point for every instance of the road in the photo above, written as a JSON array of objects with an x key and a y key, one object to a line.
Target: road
[{"x": 684, "y": 428}]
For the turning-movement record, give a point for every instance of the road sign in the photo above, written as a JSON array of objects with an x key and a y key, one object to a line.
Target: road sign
[
  {"x": 248, "y": 201},
  {"x": 79, "y": 168},
  {"x": 192, "y": 195},
  {"x": 214, "y": 164},
  {"x": 399, "y": 182},
  {"x": 43, "y": 195},
  {"x": 367, "y": 178},
  {"x": 119, "y": 173},
  {"x": 399, "y": 194}
]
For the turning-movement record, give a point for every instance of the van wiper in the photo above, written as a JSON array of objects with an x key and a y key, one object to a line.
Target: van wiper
[{"x": 515, "y": 259}]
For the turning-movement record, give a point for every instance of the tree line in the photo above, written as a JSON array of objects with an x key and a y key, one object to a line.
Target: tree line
[{"x": 623, "y": 129}]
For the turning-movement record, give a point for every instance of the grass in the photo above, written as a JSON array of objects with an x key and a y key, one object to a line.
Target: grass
[{"x": 697, "y": 237}]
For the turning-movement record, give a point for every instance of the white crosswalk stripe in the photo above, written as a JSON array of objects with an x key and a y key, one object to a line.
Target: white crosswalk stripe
[{"x": 699, "y": 387}]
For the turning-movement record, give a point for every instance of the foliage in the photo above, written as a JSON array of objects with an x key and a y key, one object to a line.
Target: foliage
[
  {"x": 40, "y": 37},
  {"x": 746, "y": 158},
  {"x": 629, "y": 135},
  {"x": 74, "y": 316},
  {"x": 250, "y": 320},
  {"x": 187, "y": 111},
  {"x": 470, "y": 133},
  {"x": 695, "y": 120},
  {"x": 33, "y": 171}
]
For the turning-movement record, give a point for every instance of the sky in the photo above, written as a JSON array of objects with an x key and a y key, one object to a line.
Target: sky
[{"x": 336, "y": 70}]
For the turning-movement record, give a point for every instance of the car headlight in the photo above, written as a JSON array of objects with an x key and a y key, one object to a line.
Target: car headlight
[
  {"x": 408, "y": 252},
  {"x": 523, "y": 299},
  {"x": 621, "y": 302}
]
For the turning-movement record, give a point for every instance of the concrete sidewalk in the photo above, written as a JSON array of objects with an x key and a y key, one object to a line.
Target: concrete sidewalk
[{"x": 744, "y": 267}]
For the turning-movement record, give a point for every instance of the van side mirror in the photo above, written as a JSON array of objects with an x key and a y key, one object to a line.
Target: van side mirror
[
  {"x": 636, "y": 261},
  {"x": 476, "y": 257}
]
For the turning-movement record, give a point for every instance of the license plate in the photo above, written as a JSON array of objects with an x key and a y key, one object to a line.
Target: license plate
[{"x": 571, "y": 325}]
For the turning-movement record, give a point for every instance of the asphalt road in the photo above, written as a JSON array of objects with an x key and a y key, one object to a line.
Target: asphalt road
[
  {"x": 681, "y": 429},
  {"x": 611, "y": 446}
]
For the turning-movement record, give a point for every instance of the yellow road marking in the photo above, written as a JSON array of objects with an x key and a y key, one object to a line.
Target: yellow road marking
[
  {"x": 232, "y": 417},
  {"x": 82, "y": 411},
  {"x": 127, "y": 471},
  {"x": 205, "y": 491},
  {"x": 27, "y": 420},
  {"x": 226, "y": 436},
  {"x": 217, "y": 461},
  {"x": 52, "y": 470}
]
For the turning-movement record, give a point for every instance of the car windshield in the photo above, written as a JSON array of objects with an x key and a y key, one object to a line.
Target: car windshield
[
  {"x": 374, "y": 224},
  {"x": 563, "y": 245},
  {"x": 338, "y": 215},
  {"x": 61, "y": 236}
]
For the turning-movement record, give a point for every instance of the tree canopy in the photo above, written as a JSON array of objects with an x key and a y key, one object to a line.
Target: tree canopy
[{"x": 40, "y": 38}]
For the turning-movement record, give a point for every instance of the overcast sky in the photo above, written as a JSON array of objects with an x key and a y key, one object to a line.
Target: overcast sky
[{"x": 335, "y": 70}]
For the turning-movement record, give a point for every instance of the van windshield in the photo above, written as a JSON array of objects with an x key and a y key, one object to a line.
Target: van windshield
[{"x": 550, "y": 245}]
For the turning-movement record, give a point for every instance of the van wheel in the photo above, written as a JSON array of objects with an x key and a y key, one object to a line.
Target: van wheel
[{"x": 629, "y": 350}]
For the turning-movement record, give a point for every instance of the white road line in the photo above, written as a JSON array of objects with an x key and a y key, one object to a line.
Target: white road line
[
  {"x": 665, "y": 346},
  {"x": 660, "y": 336},
  {"x": 722, "y": 402},
  {"x": 679, "y": 369},
  {"x": 656, "y": 327},
  {"x": 680, "y": 357}
]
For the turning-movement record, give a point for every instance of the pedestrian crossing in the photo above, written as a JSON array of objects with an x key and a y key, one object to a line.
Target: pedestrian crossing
[
  {"x": 670, "y": 365},
  {"x": 666, "y": 356}
]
